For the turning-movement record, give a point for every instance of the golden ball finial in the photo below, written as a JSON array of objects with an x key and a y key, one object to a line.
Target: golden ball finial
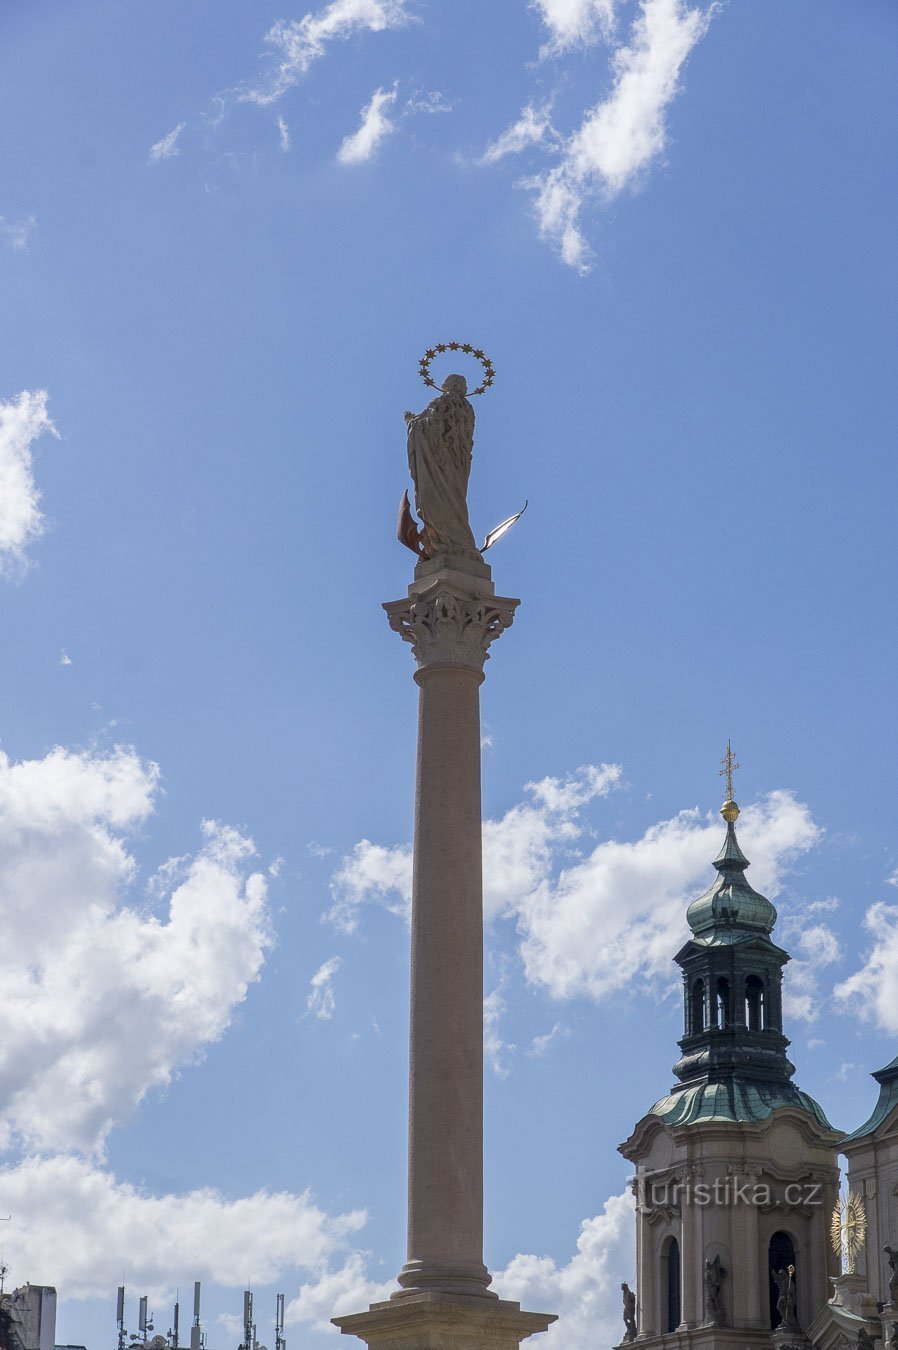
[{"x": 730, "y": 811}]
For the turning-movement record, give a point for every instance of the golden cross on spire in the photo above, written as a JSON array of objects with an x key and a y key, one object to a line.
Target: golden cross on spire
[{"x": 729, "y": 766}]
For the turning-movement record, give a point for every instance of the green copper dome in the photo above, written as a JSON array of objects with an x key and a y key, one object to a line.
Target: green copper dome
[{"x": 730, "y": 902}]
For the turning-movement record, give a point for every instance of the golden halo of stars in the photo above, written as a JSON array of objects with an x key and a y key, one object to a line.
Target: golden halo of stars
[{"x": 489, "y": 373}]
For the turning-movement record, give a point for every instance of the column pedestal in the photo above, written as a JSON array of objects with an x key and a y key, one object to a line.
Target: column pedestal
[{"x": 426, "y": 1321}]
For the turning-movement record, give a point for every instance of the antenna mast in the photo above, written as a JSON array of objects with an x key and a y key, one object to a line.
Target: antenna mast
[
  {"x": 196, "y": 1336},
  {"x": 280, "y": 1341}
]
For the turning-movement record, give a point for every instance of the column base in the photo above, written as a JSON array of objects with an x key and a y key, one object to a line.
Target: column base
[
  {"x": 470, "y": 1280},
  {"x": 435, "y": 1321}
]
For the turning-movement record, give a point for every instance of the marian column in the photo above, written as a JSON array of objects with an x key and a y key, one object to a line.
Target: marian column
[{"x": 450, "y": 617}]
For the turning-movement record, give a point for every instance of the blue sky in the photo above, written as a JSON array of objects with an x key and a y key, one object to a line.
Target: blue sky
[{"x": 227, "y": 233}]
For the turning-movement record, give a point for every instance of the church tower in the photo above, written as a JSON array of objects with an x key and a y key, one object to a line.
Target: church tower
[{"x": 736, "y": 1169}]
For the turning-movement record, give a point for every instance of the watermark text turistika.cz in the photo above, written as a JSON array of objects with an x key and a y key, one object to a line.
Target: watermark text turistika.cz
[{"x": 730, "y": 1191}]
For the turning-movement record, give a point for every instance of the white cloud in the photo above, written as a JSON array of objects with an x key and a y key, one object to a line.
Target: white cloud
[
  {"x": 64, "y": 658},
  {"x": 374, "y": 128},
  {"x": 371, "y": 872},
  {"x": 77, "y": 1227},
  {"x": 321, "y": 1001},
  {"x": 585, "y": 1292},
  {"x": 348, "y": 1289},
  {"x": 102, "y": 999},
  {"x": 540, "y": 1044},
  {"x": 575, "y": 23},
  {"x": 819, "y": 947},
  {"x": 624, "y": 132},
  {"x": 620, "y": 914},
  {"x": 494, "y": 1048},
  {"x": 300, "y": 42},
  {"x": 531, "y": 128},
  {"x": 588, "y": 925},
  {"x": 168, "y": 146},
  {"x": 431, "y": 102},
  {"x": 15, "y": 233},
  {"x": 22, "y": 422},
  {"x": 283, "y": 135},
  {"x": 871, "y": 993}
]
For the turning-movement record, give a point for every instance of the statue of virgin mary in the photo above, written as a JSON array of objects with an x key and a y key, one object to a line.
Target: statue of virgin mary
[{"x": 440, "y": 450}]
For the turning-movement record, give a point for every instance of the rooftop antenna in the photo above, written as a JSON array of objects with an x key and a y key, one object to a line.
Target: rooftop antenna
[
  {"x": 280, "y": 1342},
  {"x": 197, "y": 1339},
  {"x": 249, "y": 1330},
  {"x": 120, "y": 1317},
  {"x": 173, "y": 1334}
]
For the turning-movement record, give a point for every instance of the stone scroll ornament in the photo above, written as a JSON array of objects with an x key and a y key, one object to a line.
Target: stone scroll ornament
[{"x": 440, "y": 451}]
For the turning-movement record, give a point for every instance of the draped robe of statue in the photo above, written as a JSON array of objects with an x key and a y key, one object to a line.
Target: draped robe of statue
[{"x": 440, "y": 450}]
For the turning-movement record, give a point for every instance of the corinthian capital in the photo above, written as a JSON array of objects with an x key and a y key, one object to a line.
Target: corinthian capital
[{"x": 448, "y": 628}]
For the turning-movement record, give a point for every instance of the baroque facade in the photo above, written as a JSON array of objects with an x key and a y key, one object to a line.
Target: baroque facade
[{"x": 736, "y": 1169}]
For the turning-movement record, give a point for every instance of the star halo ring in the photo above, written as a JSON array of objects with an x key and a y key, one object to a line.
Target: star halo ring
[{"x": 489, "y": 373}]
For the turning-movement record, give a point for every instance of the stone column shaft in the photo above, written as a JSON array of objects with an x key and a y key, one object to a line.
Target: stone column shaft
[
  {"x": 445, "y": 1163},
  {"x": 451, "y": 617}
]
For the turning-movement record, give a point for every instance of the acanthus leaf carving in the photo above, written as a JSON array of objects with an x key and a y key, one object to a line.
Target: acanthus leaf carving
[{"x": 450, "y": 629}]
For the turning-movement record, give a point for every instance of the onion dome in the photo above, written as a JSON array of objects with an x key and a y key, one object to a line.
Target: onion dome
[{"x": 730, "y": 905}]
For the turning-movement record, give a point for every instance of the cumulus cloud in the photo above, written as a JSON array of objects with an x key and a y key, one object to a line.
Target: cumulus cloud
[
  {"x": 586, "y": 1291},
  {"x": 15, "y": 233},
  {"x": 375, "y": 126},
  {"x": 575, "y": 23},
  {"x": 871, "y": 993},
  {"x": 348, "y": 1289},
  {"x": 321, "y": 1001},
  {"x": 619, "y": 914},
  {"x": 532, "y": 127},
  {"x": 589, "y": 924},
  {"x": 298, "y": 43},
  {"x": 624, "y": 132},
  {"x": 371, "y": 872},
  {"x": 168, "y": 146},
  {"x": 102, "y": 999},
  {"x": 77, "y": 1227},
  {"x": 818, "y": 947},
  {"x": 22, "y": 422}
]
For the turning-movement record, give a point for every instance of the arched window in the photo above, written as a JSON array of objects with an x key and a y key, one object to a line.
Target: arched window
[
  {"x": 670, "y": 1285},
  {"x": 698, "y": 1007},
  {"x": 754, "y": 1004},
  {"x": 780, "y": 1256},
  {"x": 723, "y": 1003}
]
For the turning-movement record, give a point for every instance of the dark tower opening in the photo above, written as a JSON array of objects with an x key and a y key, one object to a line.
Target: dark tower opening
[
  {"x": 670, "y": 1281},
  {"x": 724, "y": 1017},
  {"x": 780, "y": 1256},
  {"x": 755, "y": 1018},
  {"x": 697, "y": 1015}
]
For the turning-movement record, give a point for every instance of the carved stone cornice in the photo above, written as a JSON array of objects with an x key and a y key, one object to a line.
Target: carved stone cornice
[{"x": 446, "y": 627}]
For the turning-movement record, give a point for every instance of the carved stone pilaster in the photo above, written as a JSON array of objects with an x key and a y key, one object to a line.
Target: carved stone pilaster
[{"x": 447, "y": 627}]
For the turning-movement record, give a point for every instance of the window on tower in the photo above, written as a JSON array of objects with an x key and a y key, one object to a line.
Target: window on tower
[
  {"x": 697, "y": 1013},
  {"x": 754, "y": 1004},
  {"x": 670, "y": 1284},
  {"x": 723, "y": 1003}
]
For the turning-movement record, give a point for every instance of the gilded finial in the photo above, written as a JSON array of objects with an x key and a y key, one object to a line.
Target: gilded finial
[{"x": 729, "y": 810}]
